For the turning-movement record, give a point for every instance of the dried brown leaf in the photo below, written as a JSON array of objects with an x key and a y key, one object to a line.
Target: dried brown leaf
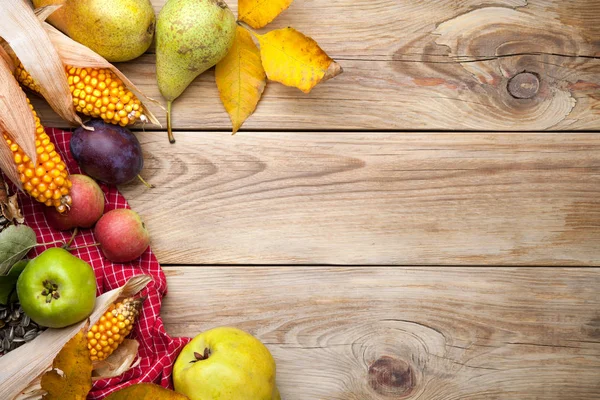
[
  {"x": 71, "y": 375},
  {"x": 11, "y": 210},
  {"x": 25, "y": 35},
  {"x": 9, "y": 205}
]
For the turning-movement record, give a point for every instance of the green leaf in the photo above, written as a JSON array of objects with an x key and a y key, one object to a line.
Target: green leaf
[
  {"x": 8, "y": 282},
  {"x": 15, "y": 242}
]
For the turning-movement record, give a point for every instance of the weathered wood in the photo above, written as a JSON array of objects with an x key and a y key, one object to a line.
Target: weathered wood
[
  {"x": 421, "y": 65},
  {"x": 371, "y": 198},
  {"x": 391, "y": 333}
]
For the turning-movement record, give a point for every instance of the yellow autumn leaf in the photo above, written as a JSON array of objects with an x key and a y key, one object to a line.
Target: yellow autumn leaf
[
  {"x": 294, "y": 59},
  {"x": 71, "y": 375},
  {"x": 145, "y": 391},
  {"x": 258, "y": 13},
  {"x": 241, "y": 78}
]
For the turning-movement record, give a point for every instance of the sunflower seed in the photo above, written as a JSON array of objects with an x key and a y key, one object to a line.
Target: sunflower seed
[
  {"x": 13, "y": 324},
  {"x": 19, "y": 331},
  {"x": 30, "y": 335}
]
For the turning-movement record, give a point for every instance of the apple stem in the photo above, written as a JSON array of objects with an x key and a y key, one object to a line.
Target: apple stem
[{"x": 148, "y": 185}]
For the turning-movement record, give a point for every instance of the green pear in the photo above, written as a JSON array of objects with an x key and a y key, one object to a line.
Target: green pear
[
  {"x": 191, "y": 37},
  {"x": 118, "y": 30}
]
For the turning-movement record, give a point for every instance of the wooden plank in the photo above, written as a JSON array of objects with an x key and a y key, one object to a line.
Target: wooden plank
[
  {"x": 389, "y": 333},
  {"x": 371, "y": 198},
  {"x": 439, "y": 65}
]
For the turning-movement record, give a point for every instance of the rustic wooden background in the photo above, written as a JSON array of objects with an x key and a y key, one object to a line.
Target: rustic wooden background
[{"x": 379, "y": 234}]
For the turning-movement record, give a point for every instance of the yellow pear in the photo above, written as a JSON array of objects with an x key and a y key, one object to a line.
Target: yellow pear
[
  {"x": 225, "y": 363},
  {"x": 118, "y": 30}
]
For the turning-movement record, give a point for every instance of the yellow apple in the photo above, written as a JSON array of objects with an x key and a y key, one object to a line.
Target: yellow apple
[{"x": 225, "y": 364}]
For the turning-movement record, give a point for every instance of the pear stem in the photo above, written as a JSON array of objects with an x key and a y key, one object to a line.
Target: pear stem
[
  {"x": 148, "y": 185},
  {"x": 169, "y": 130},
  {"x": 247, "y": 27}
]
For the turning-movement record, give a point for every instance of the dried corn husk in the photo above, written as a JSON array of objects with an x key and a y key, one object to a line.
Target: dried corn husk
[
  {"x": 77, "y": 55},
  {"x": 7, "y": 59},
  {"x": 16, "y": 120},
  {"x": 24, "y": 33},
  {"x": 120, "y": 361},
  {"x": 23, "y": 366}
]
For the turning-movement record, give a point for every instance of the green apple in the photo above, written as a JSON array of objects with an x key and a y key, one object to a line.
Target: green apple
[
  {"x": 225, "y": 364},
  {"x": 57, "y": 289}
]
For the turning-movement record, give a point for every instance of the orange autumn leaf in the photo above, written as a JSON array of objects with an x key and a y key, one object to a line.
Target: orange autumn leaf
[
  {"x": 241, "y": 78},
  {"x": 258, "y": 13},
  {"x": 294, "y": 59},
  {"x": 145, "y": 391},
  {"x": 71, "y": 375}
]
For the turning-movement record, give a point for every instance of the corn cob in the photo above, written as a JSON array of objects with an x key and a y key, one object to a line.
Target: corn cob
[
  {"x": 96, "y": 92},
  {"x": 48, "y": 181},
  {"x": 109, "y": 332}
]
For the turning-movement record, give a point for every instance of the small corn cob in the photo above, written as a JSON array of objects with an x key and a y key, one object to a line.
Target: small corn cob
[
  {"x": 48, "y": 181},
  {"x": 96, "y": 92},
  {"x": 112, "y": 328}
]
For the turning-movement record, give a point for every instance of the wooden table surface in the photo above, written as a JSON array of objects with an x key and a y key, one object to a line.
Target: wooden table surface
[{"x": 410, "y": 229}]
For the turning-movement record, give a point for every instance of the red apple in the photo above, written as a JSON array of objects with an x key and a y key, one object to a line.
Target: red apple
[
  {"x": 86, "y": 209},
  {"x": 122, "y": 235}
]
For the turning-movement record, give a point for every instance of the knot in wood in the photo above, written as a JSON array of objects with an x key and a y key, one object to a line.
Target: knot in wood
[
  {"x": 392, "y": 377},
  {"x": 524, "y": 85}
]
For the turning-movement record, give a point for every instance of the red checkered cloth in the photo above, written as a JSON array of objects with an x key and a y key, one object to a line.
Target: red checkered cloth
[{"x": 158, "y": 350}]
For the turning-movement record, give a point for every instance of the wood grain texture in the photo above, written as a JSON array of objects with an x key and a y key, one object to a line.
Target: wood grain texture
[
  {"x": 405, "y": 333},
  {"x": 442, "y": 65},
  {"x": 371, "y": 198}
]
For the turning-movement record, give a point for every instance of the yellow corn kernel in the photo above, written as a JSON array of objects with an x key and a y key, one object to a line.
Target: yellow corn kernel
[
  {"x": 93, "y": 89},
  {"x": 105, "y": 336}
]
